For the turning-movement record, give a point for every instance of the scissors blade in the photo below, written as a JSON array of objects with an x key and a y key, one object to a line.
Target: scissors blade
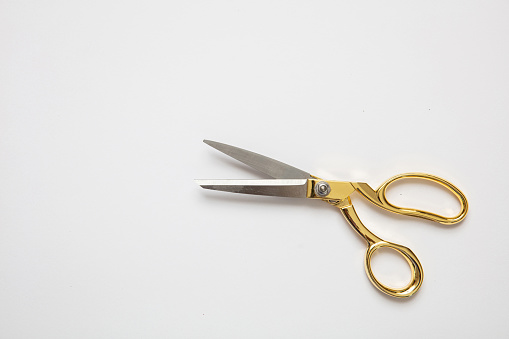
[
  {"x": 271, "y": 167},
  {"x": 292, "y": 188}
]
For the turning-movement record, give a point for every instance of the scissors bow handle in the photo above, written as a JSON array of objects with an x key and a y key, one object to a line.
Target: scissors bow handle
[
  {"x": 379, "y": 198},
  {"x": 415, "y": 267},
  {"x": 375, "y": 243}
]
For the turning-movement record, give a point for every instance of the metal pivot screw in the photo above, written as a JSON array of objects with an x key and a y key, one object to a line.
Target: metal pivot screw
[{"x": 322, "y": 189}]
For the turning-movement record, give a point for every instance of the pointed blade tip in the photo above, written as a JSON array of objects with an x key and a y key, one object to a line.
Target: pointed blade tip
[
  {"x": 208, "y": 142},
  {"x": 200, "y": 182}
]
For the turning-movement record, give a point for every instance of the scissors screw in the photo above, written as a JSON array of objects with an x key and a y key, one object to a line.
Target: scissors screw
[{"x": 322, "y": 189}]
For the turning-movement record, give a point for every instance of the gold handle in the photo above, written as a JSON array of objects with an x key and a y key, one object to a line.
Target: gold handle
[
  {"x": 374, "y": 243},
  {"x": 379, "y": 198},
  {"x": 413, "y": 262}
]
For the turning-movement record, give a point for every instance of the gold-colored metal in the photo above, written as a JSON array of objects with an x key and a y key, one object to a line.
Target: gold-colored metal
[
  {"x": 374, "y": 243},
  {"x": 339, "y": 196},
  {"x": 339, "y": 189},
  {"x": 338, "y": 193},
  {"x": 378, "y": 198}
]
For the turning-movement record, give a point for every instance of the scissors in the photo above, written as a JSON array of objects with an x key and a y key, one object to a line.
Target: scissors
[{"x": 292, "y": 182}]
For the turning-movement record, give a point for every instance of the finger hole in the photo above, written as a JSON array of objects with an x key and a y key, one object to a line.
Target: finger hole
[
  {"x": 390, "y": 268},
  {"x": 424, "y": 195}
]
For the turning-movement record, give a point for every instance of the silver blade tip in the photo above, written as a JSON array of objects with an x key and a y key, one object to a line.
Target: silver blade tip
[
  {"x": 205, "y": 184},
  {"x": 209, "y": 142},
  {"x": 217, "y": 145}
]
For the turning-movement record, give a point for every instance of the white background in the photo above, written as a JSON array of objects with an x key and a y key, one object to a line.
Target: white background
[{"x": 103, "y": 107}]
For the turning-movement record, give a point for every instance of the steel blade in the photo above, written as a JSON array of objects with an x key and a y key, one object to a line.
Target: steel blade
[
  {"x": 271, "y": 167},
  {"x": 293, "y": 188}
]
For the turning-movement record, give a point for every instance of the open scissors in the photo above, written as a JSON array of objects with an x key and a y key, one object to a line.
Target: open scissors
[{"x": 292, "y": 182}]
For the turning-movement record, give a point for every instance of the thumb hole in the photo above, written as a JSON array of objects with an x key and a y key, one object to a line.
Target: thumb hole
[{"x": 390, "y": 268}]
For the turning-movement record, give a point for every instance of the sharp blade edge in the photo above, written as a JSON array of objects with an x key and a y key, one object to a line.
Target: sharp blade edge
[
  {"x": 293, "y": 188},
  {"x": 271, "y": 167}
]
